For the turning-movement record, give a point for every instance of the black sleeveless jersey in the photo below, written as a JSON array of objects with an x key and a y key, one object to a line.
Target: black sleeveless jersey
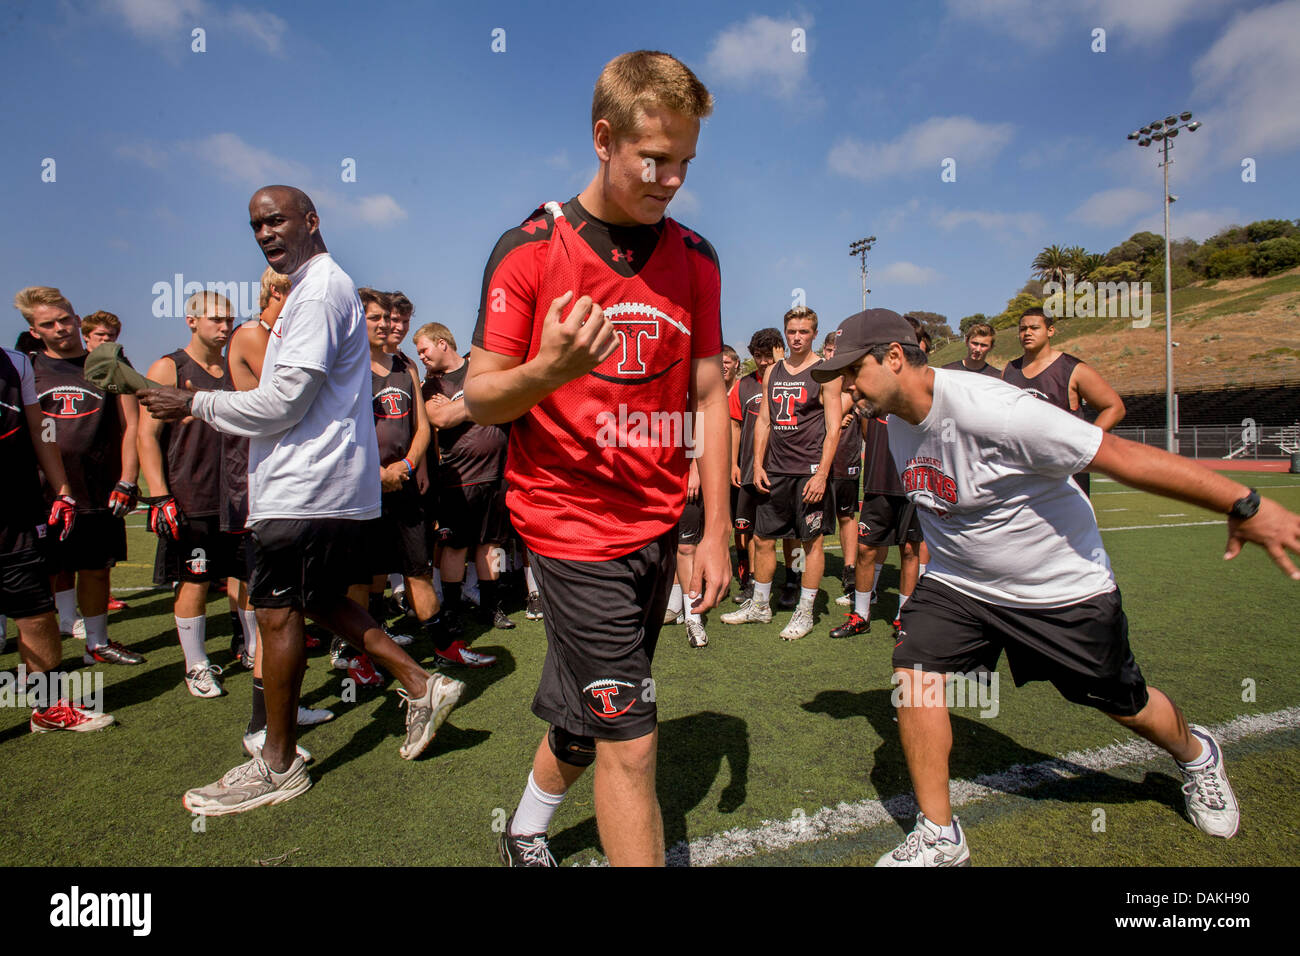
[
  {"x": 192, "y": 449},
  {"x": 960, "y": 366},
  {"x": 83, "y": 421},
  {"x": 1052, "y": 384},
  {"x": 881, "y": 477},
  {"x": 848, "y": 454},
  {"x": 394, "y": 400},
  {"x": 798, "y": 423},
  {"x": 469, "y": 453},
  {"x": 20, "y": 484},
  {"x": 749, "y": 396}
]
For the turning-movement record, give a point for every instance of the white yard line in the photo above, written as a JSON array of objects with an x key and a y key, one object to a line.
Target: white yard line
[{"x": 1170, "y": 524}]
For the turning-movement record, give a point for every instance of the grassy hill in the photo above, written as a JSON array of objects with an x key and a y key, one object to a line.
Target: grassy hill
[{"x": 1230, "y": 332}]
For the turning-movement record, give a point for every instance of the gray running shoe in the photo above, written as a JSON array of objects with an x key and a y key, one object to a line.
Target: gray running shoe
[
  {"x": 801, "y": 622},
  {"x": 926, "y": 846},
  {"x": 1211, "y": 804},
  {"x": 424, "y": 715},
  {"x": 534, "y": 611},
  {"x": 248, "y": 786},
  {"x": 750, "y": 613},
  {"x": 695, "y": 633},
  {"x": 202, "y": 680}
]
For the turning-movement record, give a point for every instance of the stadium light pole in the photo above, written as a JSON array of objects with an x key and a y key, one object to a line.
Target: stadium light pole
[
  {"x": 1163, "y": 132},
  {"x": 860, "y": 249}
]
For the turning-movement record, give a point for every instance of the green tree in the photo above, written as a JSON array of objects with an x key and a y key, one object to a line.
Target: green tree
[
  {"x": 934, "y": 323},
  {"x": 1266, "y": 229},
  {"x": 1230, "y": 262},
  {"x": 1019, "y": 304},
  {"x": 970, "y": 320},
  {"x": 1275, "y": 255},
  {"x": 1125, "y": 271},
  {"x": 1051, "y": 265}
]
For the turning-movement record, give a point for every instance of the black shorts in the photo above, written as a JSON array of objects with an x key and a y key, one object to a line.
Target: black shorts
[
  {"x": 203, "y": 553},
  {"x": 243, "y": 555},
  {"x": 1081, "y": 648},
  {"x": 845, "y": 491},
  {"x": 308, "y": 564},
  {"x": 691, "y": 526},
  {"x": 745, "y": 509},
  {"x": 602, "y": 624},
  {"x": 25, "y": 581},
  {"x": 887, "y": 520},
  {"x": 470, "y": 515},
  {"x": 784, "y": 514},
  {"x": 1084, "y": 480},
  {"x": 97, "y": 541},
  {"x": 401, "y": 540}
]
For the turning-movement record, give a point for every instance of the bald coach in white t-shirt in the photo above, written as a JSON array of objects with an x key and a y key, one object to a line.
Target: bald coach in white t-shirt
[{"x": 1017, "y": 564}]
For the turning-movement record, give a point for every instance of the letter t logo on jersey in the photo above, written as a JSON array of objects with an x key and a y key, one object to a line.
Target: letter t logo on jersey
[
  {"x": 605, "y": 691},
  {"x": 630, "y": 332}
]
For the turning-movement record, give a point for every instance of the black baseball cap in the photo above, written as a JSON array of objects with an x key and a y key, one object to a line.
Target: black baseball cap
[{"x": 860, "y": 333}]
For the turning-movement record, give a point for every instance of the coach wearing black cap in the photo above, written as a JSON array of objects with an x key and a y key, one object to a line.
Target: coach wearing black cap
[{"x": 1017, "y": 563}]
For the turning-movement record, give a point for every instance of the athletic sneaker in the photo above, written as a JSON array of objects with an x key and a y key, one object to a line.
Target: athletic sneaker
[
  {"x": 750, "y": 613},
  {"x": 341, "y": 657},
  {"x": 247, "y": 786},
  {"x": 362, "y": 670},
  {"x": 246, "y": 659},
  {"x": 801, "y": 622},
  {"x": 534, "y": 611},
  {"x": 310, "y": 640},
  {"x": 789, "y": 595},
  {"x": 397, "y": 606},
  {"x": 695, "y": 634},
  {"x": 202, "y": 681},
  {"x": 310, "y": 717},
  {"x": 855, "y": 625},
  {"x": 845, "y": 599},
  {"x": 253, "y": 744},
  {"x": 115, "y": 605},
  {"x": 425, "y": 714},
  {"x": 401, "y": 640},
  {"x": 898, "y": 624},
  {"x": 925, "y": 846},
  {"x": 458, "y": 654},
  {"x": 746, "y": 593},
  {"x": 111, "y": 653},
  {"x": 848, "y": 579},
  {"x": 528, "y": 849},
  {"x": 76, "y": 629},
  {"x": 500, "y": 621},
  {"x": 66, "y": 716},
  {"x": 674, "y": 617},
  {"x": 1211, "y": 804}
]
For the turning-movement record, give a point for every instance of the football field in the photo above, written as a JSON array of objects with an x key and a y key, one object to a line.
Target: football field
[{"x": 770, "y": 752}]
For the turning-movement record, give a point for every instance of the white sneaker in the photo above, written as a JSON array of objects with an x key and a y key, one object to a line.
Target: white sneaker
[
  {"x": 750, "y": 613},
  {"x": 308, "y": 717},
  {"x": 801, "y": 622},
  {"x": 202, "y": 680},
  {"x": 844, "y": 600},
  {"x": 253, "y": 744},
  {"x": 401, "y": 640},
  {"x": 674, "y": 617},
  {"x": 79, "y": 628},
  {"x": 925, "y": 846},
  {"x": 1211, "y": 804},
  {"x": 695, "y": 634}
]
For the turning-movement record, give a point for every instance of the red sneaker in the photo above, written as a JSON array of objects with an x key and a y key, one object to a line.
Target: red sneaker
[
  {"x": 364, "y": 673},
  {"x": 115, "y": 605},
  {"x": 64, "y": 716},
  {"x": 456, "y": 653},
  {"x": 313, "y": 641}
]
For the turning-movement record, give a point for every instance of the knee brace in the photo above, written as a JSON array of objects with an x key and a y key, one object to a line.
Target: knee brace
[{"x": 570, "y": 748}]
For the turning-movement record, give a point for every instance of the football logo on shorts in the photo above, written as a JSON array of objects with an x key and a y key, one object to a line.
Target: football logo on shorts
[
  {"x": 606, "y": 690},
  {"x": 635, "y": 323}
]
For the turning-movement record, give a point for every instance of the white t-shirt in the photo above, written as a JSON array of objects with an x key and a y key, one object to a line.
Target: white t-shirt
[
  {"x": 989, "y": 469},
  {"x": 23, "y": 366},
  {"x": 327, "y": 465}
]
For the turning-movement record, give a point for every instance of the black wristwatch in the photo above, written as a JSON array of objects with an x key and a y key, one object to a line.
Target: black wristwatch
[{"x": 1245, "y": 508}]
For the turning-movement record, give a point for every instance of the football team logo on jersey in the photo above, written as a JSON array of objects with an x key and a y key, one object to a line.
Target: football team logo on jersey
[
  {"x": 606, "y": 691},
  {"x": 392, "y": 402},
  {"x": 70, "y": 401},
  {"x": 635, "y": 324},
  {"x": 786, "y": 396}
]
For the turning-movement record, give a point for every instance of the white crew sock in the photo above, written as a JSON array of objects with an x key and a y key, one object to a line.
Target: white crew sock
[
  {"x": 96, "y": 631},
  {"x": 249, "y": 621},
  {"x": 193, "y": 633},
  {"x": 807, "y": 596},
  {"x": 902, "y": 599},
  {"x": 762, "y": 593},
  {"x": 536, "y": 807},
  {"x": 1203, "y": 759},
  {"x": 950, "y": 832},
  {"x": 66, "y": 602},
  {"x": 692, "y": 617},
  {"x": 862, "y": 603},
  {"x": 675, "y": 599},
  {"x": 921, "y": 571},
  {"x": 532, "y": 581}
]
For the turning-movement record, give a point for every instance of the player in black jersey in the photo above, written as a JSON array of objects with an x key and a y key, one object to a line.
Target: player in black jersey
[
  {"x": 744, "y": 402},
  {"x": 95, "y": 434},
  {"x": 1060, "y": 378},
  {"x": 846, "y": 477},
  {"x": 979, "y": 343},
  {"x": 181, "y": 462}
]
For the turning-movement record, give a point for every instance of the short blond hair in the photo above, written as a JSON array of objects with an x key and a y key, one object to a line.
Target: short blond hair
[
  {"x": 434, "y": 332},
  {"x": 633, "y": 82},
  {"x": 196, "y": 306},
  {"x": 272, "y": 280},
  {"x": 801, "y": 312},
  {"x": 26, "y": 300}
]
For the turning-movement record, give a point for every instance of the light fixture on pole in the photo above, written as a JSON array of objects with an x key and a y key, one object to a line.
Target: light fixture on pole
[
  {"x": 1163, "y": 132},
  {"x": 860, "y": 249}
]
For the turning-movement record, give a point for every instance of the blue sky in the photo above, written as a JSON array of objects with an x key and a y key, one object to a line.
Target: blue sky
[{"x": 157, "y": 148}]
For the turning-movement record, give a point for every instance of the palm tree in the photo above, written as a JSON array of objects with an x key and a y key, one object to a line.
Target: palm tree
[
  {"x": 1051, "y": 264},
  {"x": 1087, "y": 266}
]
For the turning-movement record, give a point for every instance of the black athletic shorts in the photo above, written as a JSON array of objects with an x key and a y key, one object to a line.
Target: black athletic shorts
[
  {"x": 244, "y": 555},
  {"x": 745, "y": 509},
  {"x": 691, "y": 526},
  {"x": 25, "y": 579},
  {"x": 1084, "y": 480},
  {"x": 203, "y": 553},
  {"x": 602, "y": 624},
  {"x": 308, "y": 564},
  {"x": 97, "y": 541},
  {"x": 470, "y": 515},
  {"x": 401, "y": 542},
  {"x": 887, "y": 520},
  {"x": 845, "y": 491},
  {"x": 1081, "y": 648},
  {"x": 784, "y": 514}
]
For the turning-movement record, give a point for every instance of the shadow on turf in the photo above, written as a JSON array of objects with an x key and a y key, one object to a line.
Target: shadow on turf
[
  {"x": 691, "y": 755},
  {"x": 979, "y": 751}
]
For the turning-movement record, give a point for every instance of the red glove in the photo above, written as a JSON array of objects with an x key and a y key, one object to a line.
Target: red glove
[
  {"x": 123, "y": 498},
  {"x": 63, "y": 512},
  {"x": 165, "y": 518}
]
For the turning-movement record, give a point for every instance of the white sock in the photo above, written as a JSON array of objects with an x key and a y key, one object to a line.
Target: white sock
[
  {"x": 807, "y": 596},
  {"x": 532, "y": 581},
  {"x": 675, "y": 599},
  {"x": 96, "y": 631},
  {"x": 66, "y": 602},
  {"x": 762, "y": 593},
  {"x": 921, "y": 571},
  {"x": 193, "y": 634},
  {"x": 950, "y": 832},
  {"x": 471, "y": 577},
  {"x": 249, "y": 620},
  {"x": 396, "y": 582},
  {"x": 862, "y": 603},
  {"x": 902, "y": 599},
  {"x": 536, "y": 807},
  {"x": 692, "y": 617},
  {"x": 1205, "y": 753},
  {"x": 876, "y": 580}
]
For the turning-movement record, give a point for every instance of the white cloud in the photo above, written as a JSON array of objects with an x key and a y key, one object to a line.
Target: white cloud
[
  {"x": 379, "y": 209},
  {"x": 1027, "y": 224},
  {"x": 1043, "y": 23},
  {"x": 261, "y": 25},
  {"x": 147, "y": 154},
  {"x": 240, "y": 162},
  {"x": 758, "y": 53},
  {"x": 685, "y": 203},
  {"x": 169, "y": 22},
  {"x": 1113, "y": 207},
  {"x": 905, "y": 273},
  {"x": 922, "y": 146},
  {"x": 1198, "y": 224}
]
